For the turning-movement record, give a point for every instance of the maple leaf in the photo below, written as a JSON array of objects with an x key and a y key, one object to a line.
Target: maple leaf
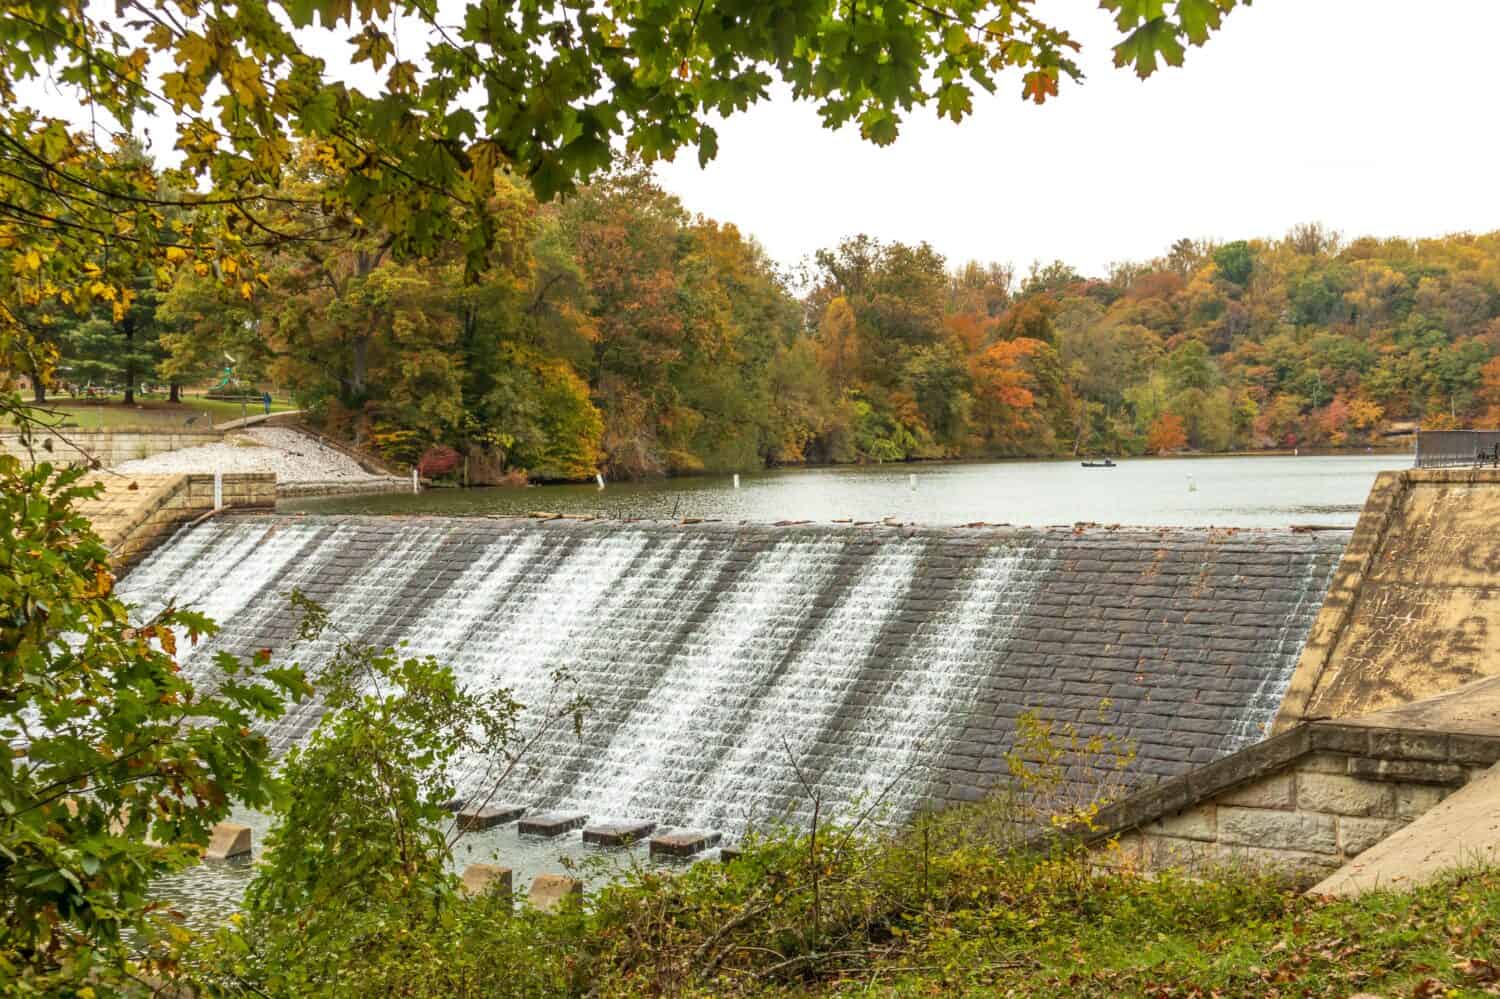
[
  {"x": 1144, "y": 44},
  {"x": 1038, "y": 85}
]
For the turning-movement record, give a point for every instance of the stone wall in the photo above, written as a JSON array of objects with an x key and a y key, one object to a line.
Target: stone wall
[
  {"x": 1303, "y": 803},
  {"x": 135, "y": 514},
  {"x": 1413, "y": 609},
  {"x": 108, "y": 447},
  {"x": 344, "y": 487}
]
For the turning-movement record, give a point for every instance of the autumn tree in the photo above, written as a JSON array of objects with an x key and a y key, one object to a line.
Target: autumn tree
[{"x": 1166, "y": 434}]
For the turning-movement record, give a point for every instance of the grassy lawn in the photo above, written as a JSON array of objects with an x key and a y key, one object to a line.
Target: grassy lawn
[{"x": 151, "y": 413}]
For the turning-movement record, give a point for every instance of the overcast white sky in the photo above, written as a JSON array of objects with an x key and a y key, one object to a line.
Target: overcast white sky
[{"x": 1371, "y": 116}]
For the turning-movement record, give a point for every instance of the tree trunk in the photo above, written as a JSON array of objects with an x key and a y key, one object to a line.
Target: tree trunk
[
  {"x": 176, "y": 393},
  {"x": 361, "y": 364},
  {"x": 128, "y": 328},
  {"x": 38, "y": 389}
]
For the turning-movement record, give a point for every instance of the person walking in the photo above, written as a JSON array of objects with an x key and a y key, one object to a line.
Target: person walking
[{"x": 265, "y": 400}]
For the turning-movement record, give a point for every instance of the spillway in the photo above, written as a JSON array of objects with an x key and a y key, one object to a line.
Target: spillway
[{"x": 721, "y": 660}]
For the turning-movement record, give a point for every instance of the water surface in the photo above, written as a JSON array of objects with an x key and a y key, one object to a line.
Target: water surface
[{"x": 1238, "y": 491}]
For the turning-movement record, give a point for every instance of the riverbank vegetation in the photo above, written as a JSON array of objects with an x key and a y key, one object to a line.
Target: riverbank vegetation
[{"x": 618, "y": 332}]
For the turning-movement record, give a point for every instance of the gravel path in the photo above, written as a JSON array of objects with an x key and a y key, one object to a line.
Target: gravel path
[{"x": 294, "y": 457}]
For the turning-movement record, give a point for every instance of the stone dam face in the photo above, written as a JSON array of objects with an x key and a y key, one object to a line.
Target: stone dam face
[{"x": 885, "y": 660}]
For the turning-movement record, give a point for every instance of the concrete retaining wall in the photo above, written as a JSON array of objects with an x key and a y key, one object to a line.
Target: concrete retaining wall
[
  {"x": 1413, "y": 609},
  {"x": 108, "y": 447}
]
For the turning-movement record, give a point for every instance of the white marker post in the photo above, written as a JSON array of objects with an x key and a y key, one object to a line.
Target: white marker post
[
  {"x": 218, "y": 490},
  {"x": 736, "y": 480},
  {"x": 599, "y": 478},
  {"x": 416, "y": 484}
]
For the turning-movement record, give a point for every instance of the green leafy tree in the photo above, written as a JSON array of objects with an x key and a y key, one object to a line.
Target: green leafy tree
[{"x": 117, "y": 766}]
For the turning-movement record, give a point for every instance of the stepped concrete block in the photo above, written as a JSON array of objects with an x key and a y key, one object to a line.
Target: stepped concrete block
[
  {"x": 228, "y": 841},
  {"x": 684, "y": 842},
  {"x": 550, "y": 892},
  {"x": 475, "y": 819},
  {"x": 552, "y": 823},
  {"x": 730, "y": 853},
  {"x": 479, "y": 879},
  {"x": 618, "y": 833}
]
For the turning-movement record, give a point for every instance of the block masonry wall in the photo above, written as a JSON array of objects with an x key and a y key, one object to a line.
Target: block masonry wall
[
  {"x": 109, "y": 447},
  {"x": 1341, "y": 790},
  {"x": 883, "y": 655}
]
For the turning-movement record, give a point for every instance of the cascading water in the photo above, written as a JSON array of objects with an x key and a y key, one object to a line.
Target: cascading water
[{"x": 727, "y": 667}]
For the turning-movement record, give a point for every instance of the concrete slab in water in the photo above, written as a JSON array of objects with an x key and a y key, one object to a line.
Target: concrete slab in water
[
  {"x": 474, "y": 819},
  {"x": 618, "y": 833},
  {"x": 228, "y": 841},
  {"x": 481, "y": 878},
  {"x": 684, "y": 842},
  {"x": 550, "y": 892},
  {"x": 552, "y": 823}
]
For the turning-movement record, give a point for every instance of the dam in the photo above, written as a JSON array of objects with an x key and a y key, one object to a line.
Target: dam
[{"x": 720, "y": 660}]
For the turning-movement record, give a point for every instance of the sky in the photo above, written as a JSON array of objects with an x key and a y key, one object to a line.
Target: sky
[{"x": 1370, "y": 116}]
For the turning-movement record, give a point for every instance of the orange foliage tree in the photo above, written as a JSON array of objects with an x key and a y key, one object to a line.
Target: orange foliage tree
[{"x": 1166, "y": 434}]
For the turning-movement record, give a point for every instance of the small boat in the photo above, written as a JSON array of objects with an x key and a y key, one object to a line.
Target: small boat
[{"x": 1106, "y": 463}]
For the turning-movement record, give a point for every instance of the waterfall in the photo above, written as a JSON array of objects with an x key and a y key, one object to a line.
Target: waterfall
[{"x": 732, "y": 669}]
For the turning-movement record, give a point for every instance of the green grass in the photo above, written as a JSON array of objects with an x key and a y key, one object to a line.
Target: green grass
[
  {"x": 151, "y": 413},
  {"x": 1224, "y": 936}
]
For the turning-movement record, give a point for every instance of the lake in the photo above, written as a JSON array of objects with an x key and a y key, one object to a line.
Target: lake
[{"x": 1229, "y": 491}]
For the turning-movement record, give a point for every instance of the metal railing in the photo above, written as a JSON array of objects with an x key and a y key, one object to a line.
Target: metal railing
[{"x": 1454, "y": 448}]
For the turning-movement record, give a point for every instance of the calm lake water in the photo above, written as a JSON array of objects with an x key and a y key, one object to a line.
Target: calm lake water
[{"x": 1190, "y": 492}]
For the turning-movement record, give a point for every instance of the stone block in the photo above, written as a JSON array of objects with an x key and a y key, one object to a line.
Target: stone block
[
  {"x": 550, "y": 892},
  {"x": 1358, "y": 835},
  {"x": 1275, "y": 791},
  {"x": 1406, "y": 771},
  {"x": 683, "y": 842},
  {"x": 228, "y": 841},
  {"x": 1277, "y": 830},
  {"x": 1414, "y": 799},
  {"x": 551, "y": 824},
  {"x": 1406, "y": 744},
  {"x": 479, "y": 879},
  {"x": 618, "y": 833},
  {"x": 1161, "y": 852},
  {"x": 1323, "y": 763},
  {"x": 1192, "y": 824},
  {"x": 471, "y": 819},
  {"x": 1300, "y": 864},
  {"x": 1342, "y": 795}
]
